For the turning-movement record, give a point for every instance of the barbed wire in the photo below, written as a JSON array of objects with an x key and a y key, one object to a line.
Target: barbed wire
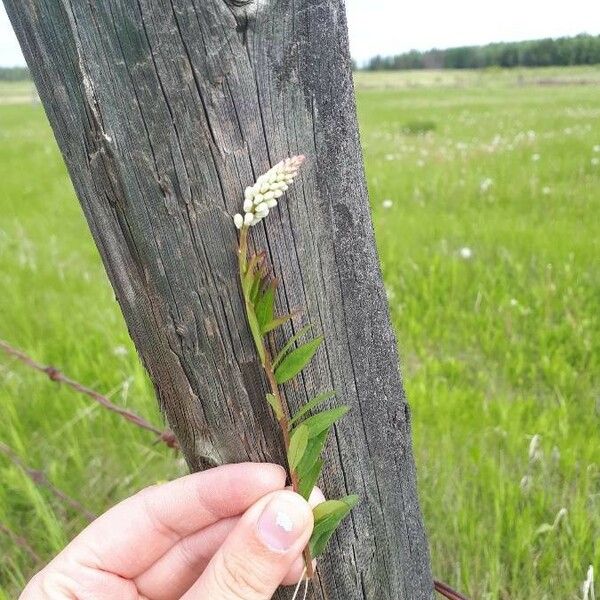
[
  {"x": 41, "y": 479},
  {"x": 165, "y": 436}
]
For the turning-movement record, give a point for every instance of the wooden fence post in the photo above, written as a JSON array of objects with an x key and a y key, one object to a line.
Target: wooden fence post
[{"x": 164, "y": 111}]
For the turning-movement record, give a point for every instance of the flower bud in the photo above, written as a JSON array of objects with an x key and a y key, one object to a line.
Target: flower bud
[
  {"x": 262, "y": 213},
  {"x": 238, "y": 220}
]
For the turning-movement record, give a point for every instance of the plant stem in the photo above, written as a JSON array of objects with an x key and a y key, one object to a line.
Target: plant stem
[{"x": 267, "y": 363}]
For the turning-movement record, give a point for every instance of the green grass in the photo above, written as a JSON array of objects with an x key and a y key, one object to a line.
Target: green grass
[{"x": 499, "y": 343}]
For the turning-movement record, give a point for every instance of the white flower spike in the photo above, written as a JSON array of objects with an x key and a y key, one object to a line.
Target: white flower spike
[{"x": 262, "y": 197}]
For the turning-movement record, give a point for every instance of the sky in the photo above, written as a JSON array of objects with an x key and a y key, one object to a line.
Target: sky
[{"x": 390, "y": 27}]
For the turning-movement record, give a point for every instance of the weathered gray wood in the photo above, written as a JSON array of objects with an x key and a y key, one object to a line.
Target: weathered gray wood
[{"x": 165, "y": 110}]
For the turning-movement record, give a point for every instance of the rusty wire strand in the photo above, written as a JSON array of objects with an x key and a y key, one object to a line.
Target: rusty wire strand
[
  {"x": 41, "y": 479},
  {"x": 446, "y": 591},
  {"x": 166, "y": 436},
  {"x": 20, "y": 541}
]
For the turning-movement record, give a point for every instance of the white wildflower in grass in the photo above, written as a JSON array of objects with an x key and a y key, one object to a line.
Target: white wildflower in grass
[
  {"x": 535, "y": 448},
  {"x": 525, "y": 484},
  {"x": 588, "y": 585},
  {"x": 546, "y": 190},
  {"x": 262, "y": 197},
  {"x": 486, "y": 184},
  {"x": 561, "y": 516},
  {"x": 597, "y": 148},
  {"x": 595, "y": 161},
  {"x": 535, "y": 157},
  {"x": 387, "y": 203},
  {"x": 465, "y": 253}
]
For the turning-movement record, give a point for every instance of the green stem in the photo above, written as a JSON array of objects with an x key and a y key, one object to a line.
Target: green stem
[{"x": 267, "y": 363}]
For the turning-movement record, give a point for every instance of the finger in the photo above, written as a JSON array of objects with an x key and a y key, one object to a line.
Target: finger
[
  {"x": 175, "y": 572},
  {"x": 296, "y": 572},
  {"x": 259, "y": 552},
  {"x": 133, "y": 535}
]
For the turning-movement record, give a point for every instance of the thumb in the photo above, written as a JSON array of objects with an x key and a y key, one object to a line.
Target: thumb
[{"x": 259, "y": 552}]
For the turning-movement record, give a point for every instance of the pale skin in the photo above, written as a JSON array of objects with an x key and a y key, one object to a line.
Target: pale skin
[{"x": 231, "y": 533}]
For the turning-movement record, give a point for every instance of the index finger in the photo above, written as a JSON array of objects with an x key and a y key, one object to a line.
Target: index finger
[{"x": 131, "y": 536}]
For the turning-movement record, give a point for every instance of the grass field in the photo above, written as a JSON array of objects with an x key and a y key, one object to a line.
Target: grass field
[{"x": 485, "y": 190}]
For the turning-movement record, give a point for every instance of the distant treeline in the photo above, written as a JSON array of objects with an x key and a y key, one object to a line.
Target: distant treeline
[
  {"x": 579, "y": 50},
  {"x": 14, "y": 73}
]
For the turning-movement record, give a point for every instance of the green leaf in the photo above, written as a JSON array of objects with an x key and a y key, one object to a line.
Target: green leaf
[
  {"x": 308, "y": 482},
  {"x": 332, "y": 507},
  {"x": 256, "y": 334},
  {"x": 275, "y": 405},
  {"x": 264, "y": 306},
  {"x": 296, "y": 360},
  {"x": 255, "y": 288},
  {"x": 249, "y": 276},
  {"x": 276, "y": 322},
  {"x": 289, "y": 344},
  {"x": 328, "y": 516},
  {"x": 313, "y": 450},
  {"x": 312, "y": 404},
  {"x": 323, "y": 420},
  {"x": 298, "y": 443}
]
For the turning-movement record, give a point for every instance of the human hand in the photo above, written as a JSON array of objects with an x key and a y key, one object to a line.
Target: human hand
[{"x": 230, "y": 533}]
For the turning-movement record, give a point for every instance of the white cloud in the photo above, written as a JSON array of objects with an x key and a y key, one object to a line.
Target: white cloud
[
  {"x": 10, "y": 52},
  {"x": 391, "y": 27}
]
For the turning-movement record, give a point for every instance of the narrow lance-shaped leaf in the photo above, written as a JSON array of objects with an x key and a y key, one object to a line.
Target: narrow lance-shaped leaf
[
  {"x": 261, "y": 275},
  {"x": 264, "y": 306},
  {"x": 323, "y": 420},
  {"x": 298, "y": 443},
  {"x": 275, "y": 405},
  {"x": 309, "y": 479},
  {"x": 296, "y": 360},
  {"x": 313, "y": 450},
  {"x": 328, "y": 515},
  {"x": 255, "y": 288},
  {"x": 256, "y": 335},
  {"x": 249, "y": 276},
  {"x": 276, "y": 322},
  {"x": 289, "y": 344},
  {"x": 319, "y": 399}
]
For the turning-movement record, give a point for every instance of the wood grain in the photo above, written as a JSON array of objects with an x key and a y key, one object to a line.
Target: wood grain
[{"x": 164, "y": 111}]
